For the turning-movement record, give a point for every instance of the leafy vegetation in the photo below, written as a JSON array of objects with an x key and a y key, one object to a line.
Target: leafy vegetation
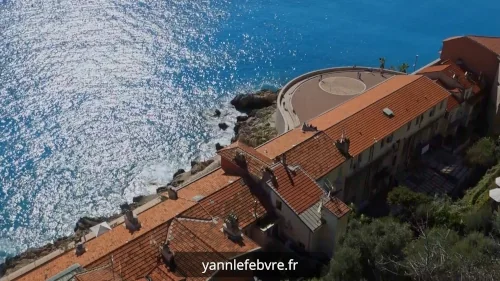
[{"x": 482, "y": 153}]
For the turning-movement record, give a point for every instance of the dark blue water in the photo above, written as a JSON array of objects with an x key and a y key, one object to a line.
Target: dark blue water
[{"x": 103, "y": 100}]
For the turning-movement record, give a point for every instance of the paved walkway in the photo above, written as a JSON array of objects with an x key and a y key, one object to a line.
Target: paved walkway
[{"x": 307, "y": 97}]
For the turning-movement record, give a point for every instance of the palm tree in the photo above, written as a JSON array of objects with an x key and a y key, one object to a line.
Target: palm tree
[{"x": 404, "y": 67}]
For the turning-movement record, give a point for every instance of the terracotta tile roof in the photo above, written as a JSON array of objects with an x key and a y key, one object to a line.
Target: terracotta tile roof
[
  {"x": 433, "y": 68},
  {"x": 206, "y": 185},
  {"x": 370, "y": 123},
  {"x": 99, "y": 274},
  {"x": 196, "y": 241},
  {"x": 288, "y": 140},
  {"x": 236, "y": 197},
  {"x": 136, "y": 258},
  {"x": 254, "y": 164},
  {"x": 284, "y": 142},
  {"x": 211, "y": 234},
  {"x": 114, "y": 239},
  {"x": 491, "y": 43},
  {"x": 337, "y": 207},
  {"x": 250, "y": 150},
  {"x": 316, "y": 155},
  {"x": 297, "y": 189},
  {"x": 450, "y": 68},
  {"x": 161, "y": 273},
  {"x": 453, "y": 102},
  {"x": 365, "y": 100}
]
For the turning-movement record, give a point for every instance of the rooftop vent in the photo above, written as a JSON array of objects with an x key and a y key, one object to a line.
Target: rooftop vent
[
  {"x": 172, "y": 193},
  {"x": 342, "y": 145},
  {"x": 388, "y": 112},
  {"x": 308, "y": 128},
  {"x": 231, "y": 227},
  {"x": 240, "y": 160},
  {"x": 80, "y": 249},
  {"x": 168, "y": 256},
  {"x": 131, "y": 221}
]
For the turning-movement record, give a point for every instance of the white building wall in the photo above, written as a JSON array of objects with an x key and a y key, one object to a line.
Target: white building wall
[{"x": 290, "y": 224}]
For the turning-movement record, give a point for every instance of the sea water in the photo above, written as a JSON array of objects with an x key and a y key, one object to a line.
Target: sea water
[{"x": 103, "y": 100}]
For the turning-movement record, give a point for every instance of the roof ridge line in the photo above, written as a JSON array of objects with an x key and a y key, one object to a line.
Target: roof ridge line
[
  {"x": 481, "y": 44},
  {"x": 206, "y": 244},
  {"x": 359, "y": 111},
  {"x": 344, "y": 102}
]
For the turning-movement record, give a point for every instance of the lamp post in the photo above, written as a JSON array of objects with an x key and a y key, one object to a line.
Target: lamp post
[{"x": 415, "y": 64}]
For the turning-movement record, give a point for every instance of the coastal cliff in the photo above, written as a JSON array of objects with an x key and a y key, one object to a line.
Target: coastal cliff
[{"x": 255, "y": 127}]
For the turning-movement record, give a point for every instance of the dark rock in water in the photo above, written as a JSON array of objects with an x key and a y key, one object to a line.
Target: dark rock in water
[
  {"x": 249, "y": 102},
  {"x": 223, "y": 126},
  {"x": 237, "y": 128},
  {"x": 194, "y": 163},
  {"x": 201, "y": 166},
  {"x": 85, "y": 223},
  {"x": 242, "y": 118},
  {"x": 218, "y": 146},
  {"x": 217, "y": 113},
  {"x": 137, "y": 198},
  {"x": 180, "y": 171}
]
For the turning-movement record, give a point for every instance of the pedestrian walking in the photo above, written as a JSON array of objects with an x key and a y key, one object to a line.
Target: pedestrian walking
[
  {"x": 359, "y": 75},
  {"x": 320, "y": 77}
]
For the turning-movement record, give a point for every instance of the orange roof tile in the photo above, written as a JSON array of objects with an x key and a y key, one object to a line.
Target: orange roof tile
[
  {"x": 206, "y": 185},
  {"x": 365, "y": 100},
  {"x": 491, "y": 43},
  {"x": 99, "y": 274},
  {"x": 136, "y": 258},
  {"x": 296, "y": 188},
  {"x": 236, "y": 197},
  {"x": 250, "y": 150},
  {"x": 316, "y": 155},
  {"x": 114, "y": 239},
  {"x": 453, "y": 102},
  {"x": 337, "y": 207},
  {"x": 433, "y": 68},
  {"x": 254, "y": 164},
  {"x": 370, "y": 123},
  {"x": 284, "y": 142},
  {"x": 196, "y": 241}
]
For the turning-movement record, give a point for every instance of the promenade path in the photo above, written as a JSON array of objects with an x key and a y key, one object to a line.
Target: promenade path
[{"x": 313, "y": 93}]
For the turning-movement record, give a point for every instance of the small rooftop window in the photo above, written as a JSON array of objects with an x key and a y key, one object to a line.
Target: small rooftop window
[{"x": 388, "y": 112}]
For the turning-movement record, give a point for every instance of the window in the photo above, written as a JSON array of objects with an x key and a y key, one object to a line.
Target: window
[
  {"x": 446, "y": 115},
  {"x": 394, "y": 159},
  {"x": 417, "y": 120},
  {"x": 408, "y": 127},
  {"x": 389, "y": 138},
  {"x": 360, "y": 157},
  {"x": 432, "y": 112},
  {"x": 278, "y": 205},
  {"x": 352, "y": 162},
  {"x": 441, "y": 105},
  {"x": 382, "y": 143},
  {"x": 371, "y": 153}
]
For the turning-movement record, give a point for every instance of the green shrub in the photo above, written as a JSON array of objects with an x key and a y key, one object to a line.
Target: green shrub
[{"x": 482, "y": 153}]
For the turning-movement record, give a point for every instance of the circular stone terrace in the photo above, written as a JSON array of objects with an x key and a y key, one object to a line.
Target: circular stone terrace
[{"x": 313, "y": 93}]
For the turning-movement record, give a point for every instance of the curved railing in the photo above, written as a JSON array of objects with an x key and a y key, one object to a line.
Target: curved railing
[{"x": 296, "y": 81}]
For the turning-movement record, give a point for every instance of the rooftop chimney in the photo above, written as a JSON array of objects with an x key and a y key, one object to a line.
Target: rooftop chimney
[
  {"x": 342, "y": 145},
  {"x": 80, "y": 249},
  {"x": 308, "y": 128},
  {"x": 131, "y": 221},
  {"x": 168, "y": 256},
  {"x": 172, "y": 193},
  {"x": 240, "y": 160},
  {"x": 232, "y": 228}
]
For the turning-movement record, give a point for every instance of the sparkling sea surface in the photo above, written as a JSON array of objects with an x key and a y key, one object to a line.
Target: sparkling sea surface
[{"x": 103, "y": 100}]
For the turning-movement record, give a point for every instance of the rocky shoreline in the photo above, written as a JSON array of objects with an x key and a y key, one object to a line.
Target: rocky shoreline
[{"x": 255, "y": 127}]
